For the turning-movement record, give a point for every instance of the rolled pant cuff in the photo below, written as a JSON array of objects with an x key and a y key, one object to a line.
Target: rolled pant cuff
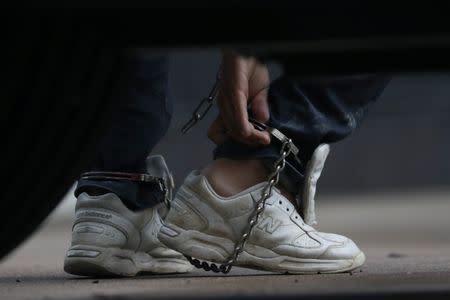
[{"x": 134, "y": 195}]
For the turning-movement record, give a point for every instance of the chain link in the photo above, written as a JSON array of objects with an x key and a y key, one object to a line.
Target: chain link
[
  {"x": 260, "y": 205},
  {"x": 204, "y": 106}
]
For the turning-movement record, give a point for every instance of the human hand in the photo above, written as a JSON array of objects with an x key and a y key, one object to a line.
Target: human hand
[{"x": 243, "y": 86}]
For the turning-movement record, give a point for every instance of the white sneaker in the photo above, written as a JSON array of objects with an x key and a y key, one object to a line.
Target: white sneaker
[
  {"x": 110, "y": 239},
  {"x": 207, "y": 226}
]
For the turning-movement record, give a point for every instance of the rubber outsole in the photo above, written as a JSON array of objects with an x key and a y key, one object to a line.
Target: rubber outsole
[{"x": 84, "y": 260}]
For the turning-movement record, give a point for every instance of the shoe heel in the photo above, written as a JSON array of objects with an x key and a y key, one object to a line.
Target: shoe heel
[
  {"x": 82, "y": 253},
  {"x": 88, "y": 261}
]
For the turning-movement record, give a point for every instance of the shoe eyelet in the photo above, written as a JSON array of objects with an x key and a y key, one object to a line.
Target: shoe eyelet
[
  {"x": 280, "y": 202},
  {"x": 287, "y": 209},
  {"x": 296, "y": 217}
]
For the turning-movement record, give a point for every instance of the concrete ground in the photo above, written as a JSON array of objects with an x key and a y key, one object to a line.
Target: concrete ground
[{"x": 405, "y": 235}]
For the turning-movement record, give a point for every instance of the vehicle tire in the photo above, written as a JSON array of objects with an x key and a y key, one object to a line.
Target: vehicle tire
[{"x": 56, "y": 103}]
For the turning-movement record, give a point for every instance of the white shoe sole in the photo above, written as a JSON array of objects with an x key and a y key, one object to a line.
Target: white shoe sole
[
  {"x": 97, "y": 261},
  {"x": 217, "y": 249}
]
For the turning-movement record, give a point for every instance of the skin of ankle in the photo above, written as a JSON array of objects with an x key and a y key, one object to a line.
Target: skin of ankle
[{"x": 229, "y": 177}]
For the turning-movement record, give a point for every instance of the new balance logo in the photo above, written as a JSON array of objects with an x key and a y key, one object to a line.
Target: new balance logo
[
  {"x": 94, "y": 214},
  {"x": 269, "y": 225}
]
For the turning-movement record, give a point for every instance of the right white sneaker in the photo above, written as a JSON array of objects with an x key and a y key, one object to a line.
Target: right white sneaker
[
  {"x": 110, "y": 239},
  {"x": 207, "y": 226}
]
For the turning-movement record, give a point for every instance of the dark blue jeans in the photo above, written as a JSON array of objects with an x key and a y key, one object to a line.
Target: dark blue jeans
[{"x": 310, "y": 112}]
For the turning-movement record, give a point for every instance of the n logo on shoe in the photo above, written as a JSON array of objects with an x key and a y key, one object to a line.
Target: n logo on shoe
[{"x": 269, "y": 225}]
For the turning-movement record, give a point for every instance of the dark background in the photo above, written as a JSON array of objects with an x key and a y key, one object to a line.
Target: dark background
[{"x": 403, "y": 144}]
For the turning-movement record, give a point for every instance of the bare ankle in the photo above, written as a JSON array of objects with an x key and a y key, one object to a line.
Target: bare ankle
[{"x": 228, "y": 177}]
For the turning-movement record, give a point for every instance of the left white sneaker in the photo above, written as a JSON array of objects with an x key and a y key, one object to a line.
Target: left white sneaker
[{"x": 110, "y": 239}]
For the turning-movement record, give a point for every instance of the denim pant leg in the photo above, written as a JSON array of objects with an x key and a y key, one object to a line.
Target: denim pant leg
[
  {"x": 140, "y": 122},
  {"x": 311, "y": 112}
]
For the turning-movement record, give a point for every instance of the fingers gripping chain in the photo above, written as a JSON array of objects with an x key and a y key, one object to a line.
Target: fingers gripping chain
[{"x": 205, "y": 105}]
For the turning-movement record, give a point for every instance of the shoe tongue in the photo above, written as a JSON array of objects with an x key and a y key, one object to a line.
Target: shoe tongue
[{"x": 313, "y": 171}]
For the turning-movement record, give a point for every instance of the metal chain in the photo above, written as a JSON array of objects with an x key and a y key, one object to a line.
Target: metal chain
[
  {"x": 260, "y": 205},
  {"x": 287, "y": 148},
  {"x": 204, "y": 106}
]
